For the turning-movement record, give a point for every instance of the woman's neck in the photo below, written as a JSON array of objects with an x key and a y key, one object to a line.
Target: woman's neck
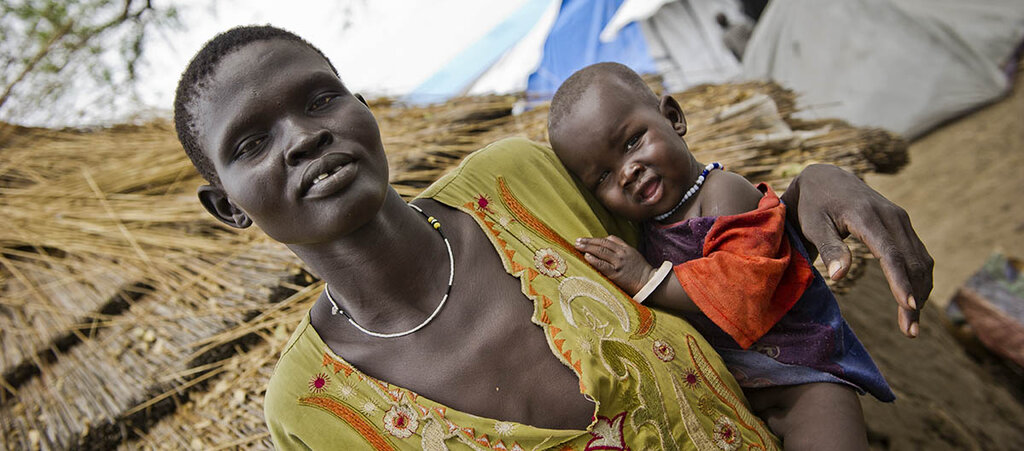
[{"x": 388, "y": 274}]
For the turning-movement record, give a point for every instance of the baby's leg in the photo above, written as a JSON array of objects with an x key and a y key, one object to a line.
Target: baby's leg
[{"x": 812, "y": 416}]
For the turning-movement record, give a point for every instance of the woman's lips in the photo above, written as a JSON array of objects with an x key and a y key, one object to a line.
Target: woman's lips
[{"x": 335, "y": 182}]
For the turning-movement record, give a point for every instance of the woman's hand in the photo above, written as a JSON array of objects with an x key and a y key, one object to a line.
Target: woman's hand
[
  {"x": 830, "y": 204},
  {"x": 617, "y": 260}
]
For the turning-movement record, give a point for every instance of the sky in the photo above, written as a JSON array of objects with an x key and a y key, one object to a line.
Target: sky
[{"x": 380, "y": 47}]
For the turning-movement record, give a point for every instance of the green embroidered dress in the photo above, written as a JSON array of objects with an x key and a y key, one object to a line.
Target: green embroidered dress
[{"x": 656, "y": 383}]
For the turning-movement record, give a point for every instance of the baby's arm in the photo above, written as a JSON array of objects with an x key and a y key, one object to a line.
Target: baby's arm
[
  {"x": 724, "y": 193},
  {"x": 625, "y": 266}
]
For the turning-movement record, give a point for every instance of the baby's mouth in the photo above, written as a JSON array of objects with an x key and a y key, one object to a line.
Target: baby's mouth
[{"x": 649, "y": 190}]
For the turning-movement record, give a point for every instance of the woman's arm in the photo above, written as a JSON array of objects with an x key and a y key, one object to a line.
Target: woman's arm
[{"x": 829, "y": 204}]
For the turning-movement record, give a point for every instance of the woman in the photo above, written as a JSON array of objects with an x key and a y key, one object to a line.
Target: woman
[{"x": 467, "y": 320}]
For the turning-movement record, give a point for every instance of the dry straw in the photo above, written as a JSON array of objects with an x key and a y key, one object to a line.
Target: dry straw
[{"x": 122, "y": 303}]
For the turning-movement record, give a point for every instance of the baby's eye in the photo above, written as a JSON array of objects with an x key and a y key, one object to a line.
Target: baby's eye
[
  {"x": 602, "y": 177},
  {"x": 322, "y": 101},
  {"x": 633, "y": 141}
]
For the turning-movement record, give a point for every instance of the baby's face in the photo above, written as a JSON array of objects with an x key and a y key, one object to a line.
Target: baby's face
[
  {"x": 293, "y": 148},
  {"x": 627, "y": 153}
]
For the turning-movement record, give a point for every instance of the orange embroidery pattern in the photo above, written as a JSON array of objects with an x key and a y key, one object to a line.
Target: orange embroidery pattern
[
  {"x": 523, "y": 215},
  {"x": 725, "y": 395},
  {"x": 340, "y": 410}
]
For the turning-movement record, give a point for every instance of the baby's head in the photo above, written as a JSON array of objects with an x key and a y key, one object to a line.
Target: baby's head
[
  {"x": 623, "y": 142},
  {"x": 268, "y": 123}
]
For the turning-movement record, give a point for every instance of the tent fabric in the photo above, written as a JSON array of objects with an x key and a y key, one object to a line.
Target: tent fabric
[
  {"x": 905, "y": 65},
  {"x": 573, "y": 43},
  {"x": 688, "y": 45},
  {"x": 465, "y": 68},
  {"x": 511, "y": 71},
  {"x": 630, "y": 11}
]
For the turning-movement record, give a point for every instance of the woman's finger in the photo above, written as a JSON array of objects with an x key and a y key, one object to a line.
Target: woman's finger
[
  {"x": 908, "y": 321},
  {"x": 882, "y": 235},
  {"x": 919, "y": 264},
  {"x": 820, "y": 230}
]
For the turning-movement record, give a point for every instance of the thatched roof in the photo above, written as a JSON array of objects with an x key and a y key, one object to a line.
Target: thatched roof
[{"x": 128, "y": 313}]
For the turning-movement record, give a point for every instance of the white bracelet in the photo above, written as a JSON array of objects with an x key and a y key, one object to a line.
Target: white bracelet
[{"x": 654, "y": 282}]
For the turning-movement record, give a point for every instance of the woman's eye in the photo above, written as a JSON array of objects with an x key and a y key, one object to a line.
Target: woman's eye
[
  {"x": 251, "y": 145},
  {"x": 633, "y": 141},
  {"x": 322, "y": 101}
]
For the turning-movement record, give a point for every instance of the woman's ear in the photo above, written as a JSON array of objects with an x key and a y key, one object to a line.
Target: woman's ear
[
  {"x": 674, "y": 113},
  {"x": 216, "y": 201}
]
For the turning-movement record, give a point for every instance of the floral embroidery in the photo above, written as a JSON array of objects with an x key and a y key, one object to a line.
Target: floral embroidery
[
  {"x": 664, "y": 351},
  {"x": 318, "y": 384},
  {"x": 726, "y": 436},
  {"x": 504, "y": 428},
  {"x": 706, "y": 405},
  {"x": 607, "y": 433},
  {"x": 482, "y": 202},
  {"x": 690, "y": 378},
  {"x": 346, "y": 391},
  {"x": 526, "y": 239},
  {"x": 400, "y": 421},
  {"x": 369, "y": 407},
  {"x": 549, "y": 263}
]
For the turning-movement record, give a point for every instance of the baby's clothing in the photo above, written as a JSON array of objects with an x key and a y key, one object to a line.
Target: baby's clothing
[{"x": 766, "y": 310}]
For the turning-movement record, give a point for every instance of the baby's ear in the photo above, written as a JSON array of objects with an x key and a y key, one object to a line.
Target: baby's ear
[
  {"x": 216, "y": 201},
  {"x": 674, "y": 113}
]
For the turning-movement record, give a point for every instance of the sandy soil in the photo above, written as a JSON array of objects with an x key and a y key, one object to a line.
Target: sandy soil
[{"x": 964, "y": 190}]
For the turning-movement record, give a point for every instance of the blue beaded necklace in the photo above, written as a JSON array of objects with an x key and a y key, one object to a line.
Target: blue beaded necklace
[{"x": 693, "y": 190}]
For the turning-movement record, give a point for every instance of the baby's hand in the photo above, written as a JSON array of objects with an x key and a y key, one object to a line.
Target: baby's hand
[{"x": 617, "y": 260}]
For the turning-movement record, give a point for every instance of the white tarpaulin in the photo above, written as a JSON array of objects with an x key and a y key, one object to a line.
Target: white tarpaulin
[
  {"x": 683, "y": 38},
  {"x": 903, "y": 65}
]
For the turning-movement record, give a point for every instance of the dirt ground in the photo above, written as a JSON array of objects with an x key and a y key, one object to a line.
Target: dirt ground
[{"x": 964, "y": 190}]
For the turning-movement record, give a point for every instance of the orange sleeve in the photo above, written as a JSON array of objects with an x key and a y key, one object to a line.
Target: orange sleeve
[{"x": 749, "y": 276}]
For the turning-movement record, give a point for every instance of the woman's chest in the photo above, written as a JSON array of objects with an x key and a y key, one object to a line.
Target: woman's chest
[{"x": 482, "y": 355}]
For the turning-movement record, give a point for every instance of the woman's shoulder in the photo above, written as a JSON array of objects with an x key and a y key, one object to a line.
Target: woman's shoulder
[{"x": 509, "y": 158}]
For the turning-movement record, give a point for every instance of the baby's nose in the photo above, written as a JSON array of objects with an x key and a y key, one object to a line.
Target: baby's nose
[{"x": 630, "y": 172}]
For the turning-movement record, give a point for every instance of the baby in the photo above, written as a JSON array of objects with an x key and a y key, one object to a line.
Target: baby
[{"x": 742, "y": 277}]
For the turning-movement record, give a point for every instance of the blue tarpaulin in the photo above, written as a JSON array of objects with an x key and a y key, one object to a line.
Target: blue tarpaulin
[{"x": 573, "y": 44}]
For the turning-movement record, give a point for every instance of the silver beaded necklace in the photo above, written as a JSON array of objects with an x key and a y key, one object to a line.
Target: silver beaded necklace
[
  {"x": 693, "y": 190},
  {"x": 451, "y": 276}
]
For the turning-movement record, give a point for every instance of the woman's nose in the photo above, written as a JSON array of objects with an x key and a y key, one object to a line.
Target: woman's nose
[{"x": 307, "y": 145}]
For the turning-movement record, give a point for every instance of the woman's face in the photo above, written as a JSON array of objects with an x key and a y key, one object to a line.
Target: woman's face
[{"x": 293, "y": 148}]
